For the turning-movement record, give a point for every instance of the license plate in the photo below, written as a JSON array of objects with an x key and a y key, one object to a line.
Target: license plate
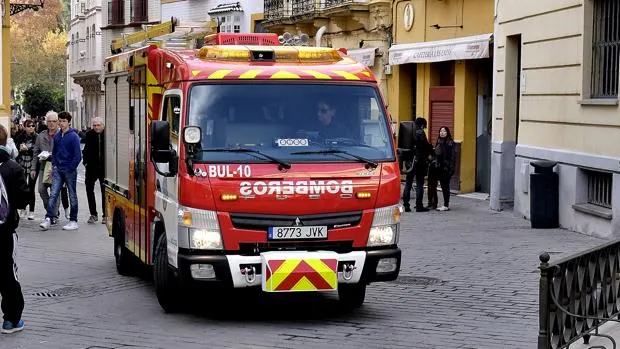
[{"x": 288, "y": 233}]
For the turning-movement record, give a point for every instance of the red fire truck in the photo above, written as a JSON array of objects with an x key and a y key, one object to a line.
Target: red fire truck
[{"x": 247, "y": 163}]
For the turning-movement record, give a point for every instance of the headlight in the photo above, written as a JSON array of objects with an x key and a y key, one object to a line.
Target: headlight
[
  {"x": 385, "y": 226},
  {"x": 203, "y": 239},
  {"x": 202, "y": 227}
]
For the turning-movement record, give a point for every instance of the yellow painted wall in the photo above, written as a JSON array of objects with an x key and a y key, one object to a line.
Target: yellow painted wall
[
  {"x": 5, "y": 69},
  {"x": 255, "y": 17},
  {"x": 476, "y": 16},
  {"x": 551, "y": 114}
]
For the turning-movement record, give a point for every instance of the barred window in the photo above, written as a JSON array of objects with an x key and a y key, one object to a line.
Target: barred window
[
  {"x": 599, "y": 188},
  {"x": 605, "y": 49}
]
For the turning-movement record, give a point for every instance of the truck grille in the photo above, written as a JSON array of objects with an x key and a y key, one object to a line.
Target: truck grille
[
  {"x": 263, "y": 222},
  {"x": 254, "y": 249}
]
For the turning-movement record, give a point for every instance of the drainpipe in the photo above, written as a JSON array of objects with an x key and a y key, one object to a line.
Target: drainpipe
[{"x": 319, "y": 35}]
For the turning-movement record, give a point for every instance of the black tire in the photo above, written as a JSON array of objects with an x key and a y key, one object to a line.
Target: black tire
[
  {"x": 167, "y": 287},
  {"x": 351, "y": 296},
  {"x": 125, "y": 264}
]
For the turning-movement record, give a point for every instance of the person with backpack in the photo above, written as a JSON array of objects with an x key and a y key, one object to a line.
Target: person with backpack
[
  {"x": 422, "y": 152},
  {"x": 13, "y": 197}
]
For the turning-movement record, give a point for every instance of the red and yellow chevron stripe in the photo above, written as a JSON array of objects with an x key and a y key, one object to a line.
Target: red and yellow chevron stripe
[{"x": 286, "y": 275}]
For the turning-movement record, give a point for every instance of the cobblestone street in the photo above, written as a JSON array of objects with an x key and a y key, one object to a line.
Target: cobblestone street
[{"x": 468, "y": 280}]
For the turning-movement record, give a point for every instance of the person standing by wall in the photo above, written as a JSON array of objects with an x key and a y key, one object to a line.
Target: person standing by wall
[
  {"x": 423, "y": 150},
  {"x": 441, "y": 170},
  {"x": 94, "y": 161},
  {"x": 43, "y": 164},
  {"x": 13, "y": 195},
  {"x": 25, "y": 142},
  {"x": 66, "y": 158}
]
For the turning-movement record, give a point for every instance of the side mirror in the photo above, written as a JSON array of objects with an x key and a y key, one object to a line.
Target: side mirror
[
  {"x": 192, "y": 135},
  {"x": 160, "y": 141}
]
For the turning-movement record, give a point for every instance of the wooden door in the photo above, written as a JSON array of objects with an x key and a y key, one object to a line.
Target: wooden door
[{"x": 442, "y": 110}]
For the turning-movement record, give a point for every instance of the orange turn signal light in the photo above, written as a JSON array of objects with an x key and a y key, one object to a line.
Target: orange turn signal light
[
  {"x": 363, "y": 195},
  {"x": 228, "y": 197}
]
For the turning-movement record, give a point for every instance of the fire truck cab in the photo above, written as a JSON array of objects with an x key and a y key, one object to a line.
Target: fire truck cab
[{"x": 247, "y": 163}]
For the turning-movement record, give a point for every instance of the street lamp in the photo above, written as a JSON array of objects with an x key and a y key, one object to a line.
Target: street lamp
[{"x": 17, "y": 8}]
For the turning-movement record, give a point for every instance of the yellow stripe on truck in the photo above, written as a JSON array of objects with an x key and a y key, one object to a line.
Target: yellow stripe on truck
[
  {"x": 250, "y": 74},
  {"x": 285, "y": 75},
  {"x": 346, "y": 75},
  {"x": 220, "y": 74},
  {"x": 316, "y": 74}
]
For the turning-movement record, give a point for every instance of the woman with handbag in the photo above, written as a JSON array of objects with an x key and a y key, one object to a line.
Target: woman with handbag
[{"x": 441, "y": 170}]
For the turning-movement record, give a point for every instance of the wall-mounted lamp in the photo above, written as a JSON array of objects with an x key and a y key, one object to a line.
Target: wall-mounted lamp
[{"x": 437, "y": 26}]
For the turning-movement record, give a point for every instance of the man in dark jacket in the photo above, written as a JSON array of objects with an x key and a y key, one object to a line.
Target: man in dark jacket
[
  {"x": 17, "y": 194},
  {"x": 93, "y": 157},
  {"x": 66, "y": 157},
  {"x": 423, "y": 149}
]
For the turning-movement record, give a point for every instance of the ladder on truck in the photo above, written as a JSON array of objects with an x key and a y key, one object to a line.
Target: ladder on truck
[{"x": 170, "y": 34}]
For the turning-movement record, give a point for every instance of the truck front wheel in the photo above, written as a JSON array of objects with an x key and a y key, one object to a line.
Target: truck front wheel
[
  {"x": 351, "y": 296},
  {"x": 167, "y": 287}
]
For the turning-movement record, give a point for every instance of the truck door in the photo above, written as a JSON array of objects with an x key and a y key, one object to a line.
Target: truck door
[
  {"x": 166, "y": 196},
  {"x": 137, "y": 126}
]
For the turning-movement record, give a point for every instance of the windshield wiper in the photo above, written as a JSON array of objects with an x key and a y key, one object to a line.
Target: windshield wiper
[
  {"x": 282, "y": 163},
  {"x": 368, "y": 162}
]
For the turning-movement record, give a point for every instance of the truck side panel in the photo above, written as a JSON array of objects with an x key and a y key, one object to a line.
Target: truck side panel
[{"x": 110, "y": 118}]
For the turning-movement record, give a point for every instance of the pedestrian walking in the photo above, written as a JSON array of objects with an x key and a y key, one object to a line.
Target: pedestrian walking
[
  {"x": 93, "y": 157},
  {"x": 441, "y": 170},
  {"x": 42, "y": 167},
  {"x": 13, "y": 195},
  {"x": 423, "y": 150},
  {"x": 26, "y": 141},
  {"x": 66, "y": 157}
]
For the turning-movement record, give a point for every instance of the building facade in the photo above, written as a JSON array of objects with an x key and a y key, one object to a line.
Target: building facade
[
  {"x": 441, "y": 67},
  {"x": 557, "y": 69},
  {"x": 232, "y": 16},
  {"x": 83, "y": 88},
  {"x": 360, "y": 26}
]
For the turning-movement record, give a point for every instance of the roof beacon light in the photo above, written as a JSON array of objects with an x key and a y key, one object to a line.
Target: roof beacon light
[
  {"x": 287, "y": 39},
  {"x": 282, "y": 54}
]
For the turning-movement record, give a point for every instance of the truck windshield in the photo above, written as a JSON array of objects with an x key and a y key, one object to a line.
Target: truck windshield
[{"x": 290, "y": 122}]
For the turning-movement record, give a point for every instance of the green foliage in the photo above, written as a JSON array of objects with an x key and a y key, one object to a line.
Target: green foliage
[{"x": 39, "y": 99}]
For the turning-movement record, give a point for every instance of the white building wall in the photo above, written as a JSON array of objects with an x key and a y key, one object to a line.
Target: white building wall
[{"x": 197, "y": 10}]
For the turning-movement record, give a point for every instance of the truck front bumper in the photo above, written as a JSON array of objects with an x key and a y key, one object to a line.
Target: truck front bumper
[{"x": 230, "y": 271}]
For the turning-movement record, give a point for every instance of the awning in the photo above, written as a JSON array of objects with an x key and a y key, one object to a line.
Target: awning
[
  {"x": 227, "y": 7},
  {"x": 363, "y": 55},
  {"x": 469, "y": 47}
]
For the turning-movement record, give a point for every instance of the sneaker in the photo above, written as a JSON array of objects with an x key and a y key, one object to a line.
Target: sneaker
[
  {"x": 67, "y": 213},
  {"x": 9, "y": 327},
  {"x": 54, "y": 220},
  {"x": 407, "y": 208},
  {"x": 46, "y": 224},
  {"x": 72, "y": 225},
  {"x": 104, "y": 220},
  {"x": 443, "y": 208},
  {"x": 22, "y": 213},
  {"x": 30, "y": 215},
  {"x": 92, "y": 219}
]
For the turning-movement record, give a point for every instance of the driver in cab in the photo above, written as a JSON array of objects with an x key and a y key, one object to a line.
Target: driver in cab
[{"x": 329, "y": 126}]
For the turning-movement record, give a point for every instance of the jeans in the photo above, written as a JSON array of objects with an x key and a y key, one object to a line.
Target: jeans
[
  {"x": 60, "y": 178},
  {"x": 91, "y": 177},
  {"x": 419, "y": 172},
  {"x": 10, "y": 289},
  {"x": 31, "y": 184}
]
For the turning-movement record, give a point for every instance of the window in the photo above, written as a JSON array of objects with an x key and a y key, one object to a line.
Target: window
[
  {"x": 237, "y": 18},
  {"x": 605, "y": 49},
  {"x": 116, "y": 12},
  {"x": 599, "y": 188},
  {"x": 172, "y": 112},
  {"x": 282, "y": 120},
  {"x": 237, "y": 28},
  {"x": 93, "y": 42}
]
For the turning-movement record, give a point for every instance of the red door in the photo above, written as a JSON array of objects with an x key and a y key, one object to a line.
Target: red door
[{"x": 442, "y": 110}]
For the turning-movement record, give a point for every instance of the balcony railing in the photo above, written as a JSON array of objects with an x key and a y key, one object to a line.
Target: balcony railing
[
  {"x": 116, "y": 12},
  {"x": 139, "y": 11},
  {"x": 276, "y": 10}
]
